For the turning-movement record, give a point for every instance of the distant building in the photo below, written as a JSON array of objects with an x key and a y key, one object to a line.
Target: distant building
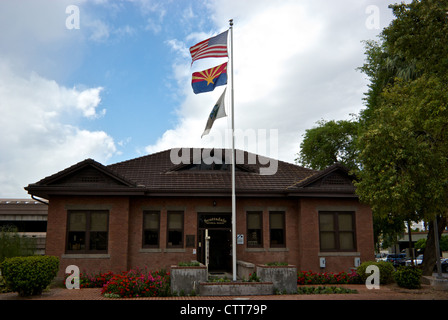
[
  {"x": 152, "y": 212},
  {"x": 402, "y": 244},
  {"x": 28, "y": 216}
]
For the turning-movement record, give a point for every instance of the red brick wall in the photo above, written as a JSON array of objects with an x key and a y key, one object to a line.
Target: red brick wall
[
  {"x": 118, "y": 232},
  {"x": 126, "y": 223},
  {"x": 309, "y": 235},
  {"x": 162, "y": 257}
]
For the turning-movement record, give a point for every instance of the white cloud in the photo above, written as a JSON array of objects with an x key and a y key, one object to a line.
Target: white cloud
[
  {"x": 295, "y": 63},
  {"x": 40, "y": 134},
  {"x": 88, "y": 100},
  {"x": 99, "y": 30}
]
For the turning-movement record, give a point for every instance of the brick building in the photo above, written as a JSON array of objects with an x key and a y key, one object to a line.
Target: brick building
[
  {"x": 152, "y": 212},
  {"x": 28, "y": 217}
]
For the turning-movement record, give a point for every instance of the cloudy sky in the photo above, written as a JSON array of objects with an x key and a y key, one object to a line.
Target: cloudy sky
[{"x": 111, "y": 80}]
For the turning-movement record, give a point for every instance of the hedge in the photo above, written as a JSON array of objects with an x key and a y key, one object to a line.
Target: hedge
[
  {"x": 386, "y": 271},
  {"x": 408, "y": 277},
  {"x": 29, "y": 275}
]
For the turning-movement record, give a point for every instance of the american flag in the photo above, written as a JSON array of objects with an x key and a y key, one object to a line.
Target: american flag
[{"x": 215, "y": 47}]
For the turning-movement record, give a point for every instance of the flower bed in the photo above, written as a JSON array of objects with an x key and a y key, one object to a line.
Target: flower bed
[
  {"x": 137, "y": 284},
  {"x": 94, "y": 280},
  {"x": 309, "y": 277},
  {"x": 128, "y": 284}
]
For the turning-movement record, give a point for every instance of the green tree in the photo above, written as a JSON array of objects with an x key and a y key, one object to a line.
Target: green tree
[
  {"x": 328, "y": 143},
  {"x": 335, "y": 141},
  {"x": 421, "y": 244},
  {"x": 404, "y": 142},
  {"x": 13, "y": 245}
]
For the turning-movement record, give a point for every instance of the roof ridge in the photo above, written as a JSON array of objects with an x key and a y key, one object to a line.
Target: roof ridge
[
  {"x": 138, "y": 158},
  {"x": 210, "y": 148}
]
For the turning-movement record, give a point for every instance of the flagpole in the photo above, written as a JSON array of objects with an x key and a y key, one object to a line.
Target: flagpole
[{"x": 233, "y": 157}]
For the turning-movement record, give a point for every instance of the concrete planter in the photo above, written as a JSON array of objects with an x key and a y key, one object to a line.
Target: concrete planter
[
  {"x": 244, "y": 269},
  {"x": 284, "y": 278},
  {"x": 236, "y": 288},
  {"x": 186, "y": 279}
]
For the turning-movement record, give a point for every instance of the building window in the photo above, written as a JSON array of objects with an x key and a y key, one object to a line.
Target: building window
[
  {"x": 175, "y": 229},
  {"x": 254, "y": 229},
  {"x": 87, "y": 231},
  {"x": 277, "y": 229},
  {"x": 151, "y": 229},
  {"x": 337, "y": 231}
]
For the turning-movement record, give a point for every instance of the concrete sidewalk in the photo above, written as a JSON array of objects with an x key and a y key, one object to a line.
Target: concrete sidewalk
[{"x": 386, "y": 292}]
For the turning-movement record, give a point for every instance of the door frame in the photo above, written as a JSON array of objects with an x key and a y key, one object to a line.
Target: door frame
[{"x": 212, "y": 221}]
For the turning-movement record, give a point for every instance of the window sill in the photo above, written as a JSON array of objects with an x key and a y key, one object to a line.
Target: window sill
[
  {"x": 175, "y": 250},
  {"x": 339, "y": 254},
  {"x": 279, "y": 249},
  {"x": 86, "y": 256},
  {"x": 150, "y": 250}
]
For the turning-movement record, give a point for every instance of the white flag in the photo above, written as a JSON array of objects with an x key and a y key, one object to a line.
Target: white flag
[{"x": 218, "y": 111}]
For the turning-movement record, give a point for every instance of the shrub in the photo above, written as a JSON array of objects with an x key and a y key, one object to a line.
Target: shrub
[
  {"x": 324, "y": 290},
  {"x": 386, "y": 271},
  {"x": 29, "y": 275},
  {"x": 137, "y": 283},
  {"x": 408, "y": 277},
  {"x": 189, "y": 264},
  {"x": 276, "y": 264},
  {"x": 97, "y": 280},
  {"x": 253, "y": 277},
  {"x": 3, "y": 287},
  {"x": 309, "y": 277}
]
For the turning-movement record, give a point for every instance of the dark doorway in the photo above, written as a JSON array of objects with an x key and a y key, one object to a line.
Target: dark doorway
[
  {"x": 219, "y": 230},
  {"x": 220, "y": 250}
]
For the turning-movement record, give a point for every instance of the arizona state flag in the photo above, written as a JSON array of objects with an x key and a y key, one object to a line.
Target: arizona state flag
[{"x": 207, "y": 80}]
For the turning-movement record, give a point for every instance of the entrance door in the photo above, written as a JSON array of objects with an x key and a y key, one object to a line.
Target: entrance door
[
  {"x": 220, "y": 250},
  {"x": 220, "y": 242}
]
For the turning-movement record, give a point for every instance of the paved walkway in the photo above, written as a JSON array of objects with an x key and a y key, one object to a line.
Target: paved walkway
[{"x": 386, "y": 292}]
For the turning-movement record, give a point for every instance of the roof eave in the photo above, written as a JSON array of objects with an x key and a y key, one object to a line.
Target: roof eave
[{"x": 46, "y": 191}]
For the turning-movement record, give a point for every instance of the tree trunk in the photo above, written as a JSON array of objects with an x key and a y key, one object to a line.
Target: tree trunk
[{"x": 429, "y": 255}]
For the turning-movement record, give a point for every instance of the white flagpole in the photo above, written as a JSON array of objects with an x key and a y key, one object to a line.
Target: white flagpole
[{"x": 233, "y": 158}]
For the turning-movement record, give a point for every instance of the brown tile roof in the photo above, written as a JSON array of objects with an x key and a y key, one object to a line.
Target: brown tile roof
[{"x": 158, "y": 174}]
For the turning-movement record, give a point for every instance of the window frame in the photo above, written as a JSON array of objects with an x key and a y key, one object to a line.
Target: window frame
[
  {"x": 168, "y": 229},
  {"x": 337, "y": 232},
  {"x": 260, "y": 244},
  {"x": 283, "y": 214},
  {"x": 87, "y": 232},
  {"x": 145, "y": 214}
]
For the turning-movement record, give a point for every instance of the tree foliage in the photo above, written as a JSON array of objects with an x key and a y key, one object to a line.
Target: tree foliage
[
  {"x": 404, "y": 140},
  {"x": 400, "y": 148},
  {"x": 404, "y": 150},
  {"x": 12, "y": 244},
  {"x": 328, "y": 143}
]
